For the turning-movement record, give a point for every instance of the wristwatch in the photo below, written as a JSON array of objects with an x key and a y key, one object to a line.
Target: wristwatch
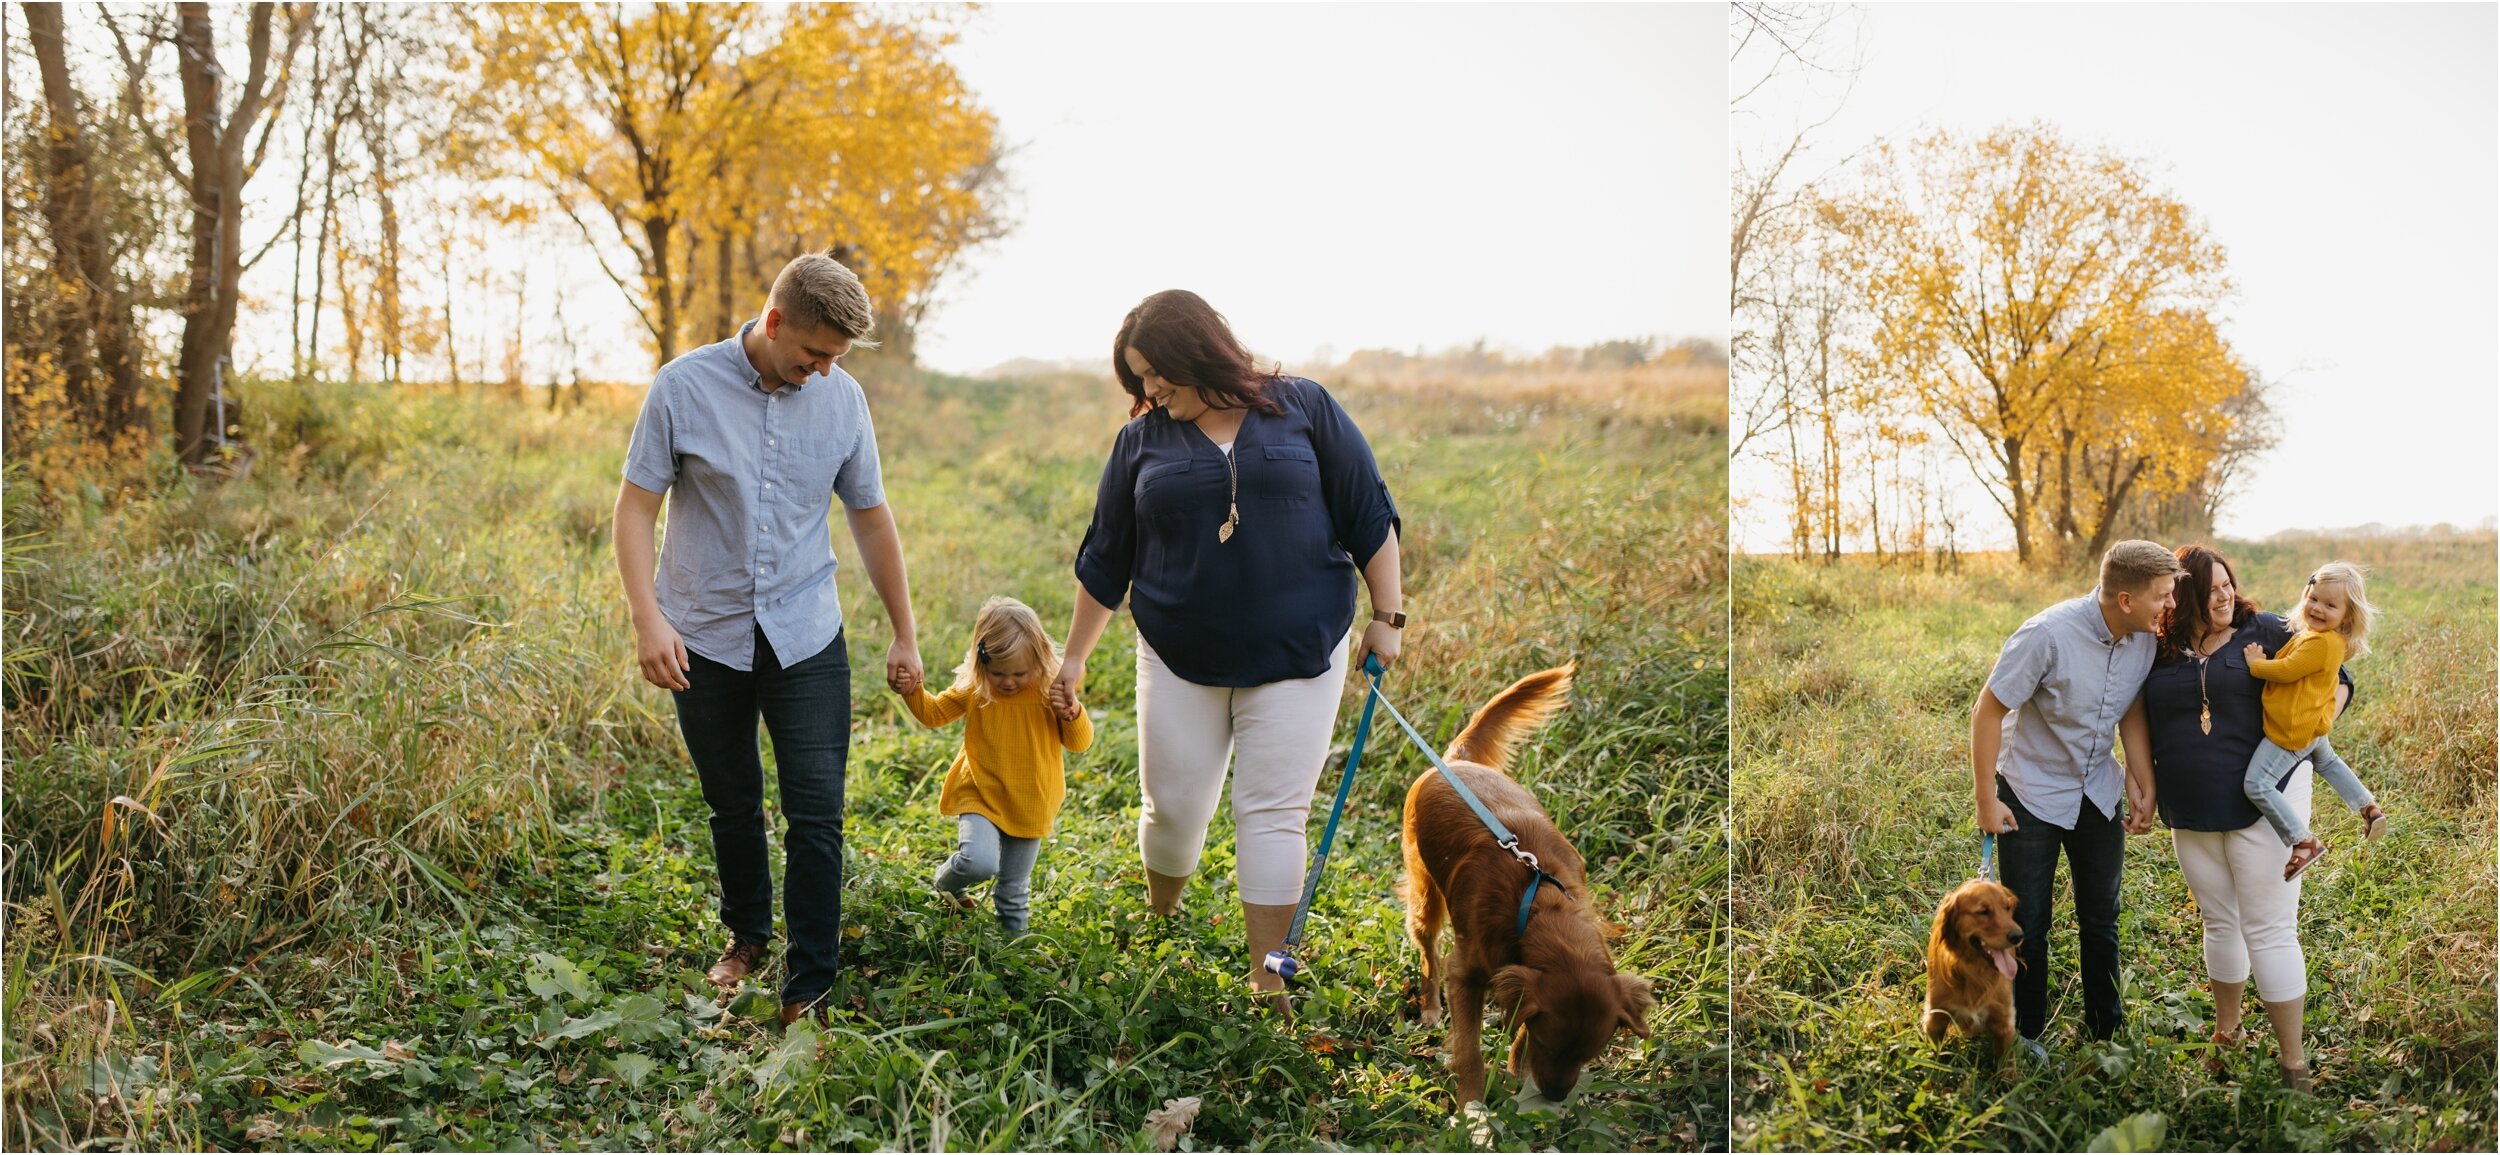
[{"x": 1396, "y": 621}]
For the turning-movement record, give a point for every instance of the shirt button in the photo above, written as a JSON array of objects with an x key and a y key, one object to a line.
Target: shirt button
[{"x": 768, "y": 485}]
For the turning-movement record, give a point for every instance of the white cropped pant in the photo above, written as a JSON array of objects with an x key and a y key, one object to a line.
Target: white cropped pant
[
  {"x": 1277, "y": 737},
  {"x": 2252, "y": 916}
]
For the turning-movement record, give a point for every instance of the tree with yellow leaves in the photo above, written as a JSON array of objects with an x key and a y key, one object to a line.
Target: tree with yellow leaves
[
  {"x": 2049, "y": 310},
  {"x": 717, "y": 141}
]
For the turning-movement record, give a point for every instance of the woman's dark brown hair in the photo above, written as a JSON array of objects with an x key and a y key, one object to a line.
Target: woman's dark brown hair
[
  {"x": 1186, "y": 342},
  {"x": 2184, "y": 623}
]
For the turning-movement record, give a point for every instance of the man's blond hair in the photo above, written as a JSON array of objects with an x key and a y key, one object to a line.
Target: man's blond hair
[
  {"x": 2130, "y": 567},
  {"x": 815, "y": 292}
]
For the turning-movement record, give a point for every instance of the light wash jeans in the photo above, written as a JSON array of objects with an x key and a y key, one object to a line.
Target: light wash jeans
[
  {"x": 982, "y": 852},
  {"x": 2271, "y": 762}
]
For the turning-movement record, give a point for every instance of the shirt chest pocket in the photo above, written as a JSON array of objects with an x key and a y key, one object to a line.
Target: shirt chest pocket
[
  {"x": 1286, "y": 475},
  {"x": 1163, "y": 489}
]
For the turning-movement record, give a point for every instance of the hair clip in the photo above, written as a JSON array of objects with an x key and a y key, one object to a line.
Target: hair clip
[
  {"x": 2313, "y": 579},
  {"x": 983, "y": 649}
]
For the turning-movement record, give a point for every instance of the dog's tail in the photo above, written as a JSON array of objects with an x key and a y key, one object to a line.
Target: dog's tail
[{"x": 1511, "y": 716}]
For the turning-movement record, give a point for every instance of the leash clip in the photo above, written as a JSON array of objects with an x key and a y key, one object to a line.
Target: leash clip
[{"x": 1526, "y": 856}]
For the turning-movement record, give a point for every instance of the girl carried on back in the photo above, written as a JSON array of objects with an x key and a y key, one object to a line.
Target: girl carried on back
[
  {"x": 2333, "y": 626},
  {"x": 1006, "y": 784}
]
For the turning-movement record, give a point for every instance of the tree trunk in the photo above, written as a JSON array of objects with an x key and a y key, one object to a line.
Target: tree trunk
[
  {"x": 94, "y": 305},
  {"x": 216, "y": 140},
  {"x": 2013, "y": 460},
  {"x": 657, "y": 230}
]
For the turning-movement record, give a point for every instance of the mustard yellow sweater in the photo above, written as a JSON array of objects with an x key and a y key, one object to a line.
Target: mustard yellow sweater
[
  {"x": 2300, "y": 688},
  {"x": 1008, "y": 770}
]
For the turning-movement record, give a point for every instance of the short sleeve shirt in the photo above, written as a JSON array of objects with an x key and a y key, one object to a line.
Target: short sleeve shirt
[
  {"x": 751, "y": 473},
  {"x": 2067, "y": 681}
]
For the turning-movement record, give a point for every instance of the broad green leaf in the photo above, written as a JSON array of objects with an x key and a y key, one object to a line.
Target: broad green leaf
[
  {"x": 120, "y": 1075},
  {"x": 641, "y": 1018},
  {"x": 791, "y": 1061},
  {"x": 316, "y": 1053},
  {"x": 2140, "y": 1132},
  {"x": 700, "y": 1009},
  {"x": 631, "y": 1070},
  {"x": 589, "y": 1024},
  {"x": 551, "y": 976},
  {"x": 754, "y": 1003}
]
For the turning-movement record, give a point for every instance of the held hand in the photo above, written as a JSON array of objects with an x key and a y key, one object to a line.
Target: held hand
[
  {"x": 902, "y": 666},
  {"x": 662, "y": 655},
  {"x": 1995, "y": 817},
  {"x": 1063, "y": 689},
  {"x": 2140, "y": 811},
  {"x": 1378, "y": 638}
]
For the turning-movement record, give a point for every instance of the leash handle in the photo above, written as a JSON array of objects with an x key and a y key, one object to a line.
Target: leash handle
[{"x": 1987, "y": 855}]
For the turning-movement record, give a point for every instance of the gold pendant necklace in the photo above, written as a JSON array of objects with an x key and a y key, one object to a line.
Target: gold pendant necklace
[
  {"x": 2205, "y": 714},
  {"x": 1232, "y": 500}
]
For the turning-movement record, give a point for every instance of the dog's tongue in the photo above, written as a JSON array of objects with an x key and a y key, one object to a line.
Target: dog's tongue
[{"x": 2004, "y": 960}]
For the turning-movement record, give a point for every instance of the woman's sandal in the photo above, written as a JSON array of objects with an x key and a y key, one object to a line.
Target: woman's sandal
[
  {"x": 2216, "y": 1060},
  {"x": 2301, "y": 862},
  {"x": 2373, "y": 822},
  {"x": 2302, "y": 1079}
]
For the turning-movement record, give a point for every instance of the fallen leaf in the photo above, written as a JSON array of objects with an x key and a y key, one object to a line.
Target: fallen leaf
[
  {"x": 1166, "y": 1125},
  {"x": 263, "y": 1129}
]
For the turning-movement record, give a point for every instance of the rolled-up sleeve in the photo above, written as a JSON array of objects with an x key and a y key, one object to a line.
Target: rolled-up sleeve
[
  {"x": 861, "y": 481},
  {"x": 651, "y": 457},
  {"x": 1359, "y": 508},
  {"x": 1106, "y": 558}
]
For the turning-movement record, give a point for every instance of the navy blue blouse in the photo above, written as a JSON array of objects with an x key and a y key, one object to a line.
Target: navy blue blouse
[
  {"x": 2196, "y": 775},
  {"x": 1272, "y": 603}
]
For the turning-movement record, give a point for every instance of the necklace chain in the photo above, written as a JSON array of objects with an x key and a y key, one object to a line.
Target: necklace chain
[{"x": 1232, "y": 499}]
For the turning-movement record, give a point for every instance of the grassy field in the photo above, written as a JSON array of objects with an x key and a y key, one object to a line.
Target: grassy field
[
  {"x": 1852, "y": 810},
  {"x": 337, "y": 819}
]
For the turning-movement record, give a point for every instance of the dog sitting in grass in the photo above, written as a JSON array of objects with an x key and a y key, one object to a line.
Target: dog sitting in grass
[
  {"x": 1557, "y": 981},
  {"x": 1971, "y": 964}
]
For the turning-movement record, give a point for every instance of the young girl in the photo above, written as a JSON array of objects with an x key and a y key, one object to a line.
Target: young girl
[
  {"x": 1005, "y": 786},
  {"x": 2332, "y": 624}
]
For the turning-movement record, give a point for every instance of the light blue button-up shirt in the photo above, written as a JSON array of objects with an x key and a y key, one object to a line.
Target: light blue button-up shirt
[
  {"x": 751, "y": 473},
  {"x": 2067, "y": 681}
]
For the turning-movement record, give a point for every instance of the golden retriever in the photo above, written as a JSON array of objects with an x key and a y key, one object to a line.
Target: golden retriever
[
  {"x": 1971, "y": 965},
  {"x": 1563, "y": 999}
]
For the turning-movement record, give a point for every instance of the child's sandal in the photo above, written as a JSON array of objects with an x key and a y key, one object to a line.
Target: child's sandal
[
  {"x": 2373, "y": 822},
  {"x": 2301, "y": 862}
]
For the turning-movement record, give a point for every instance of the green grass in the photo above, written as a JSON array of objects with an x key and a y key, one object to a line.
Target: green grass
[
  {"x": 1851, "y": 798},
  {"x": 338, "y": 819}
]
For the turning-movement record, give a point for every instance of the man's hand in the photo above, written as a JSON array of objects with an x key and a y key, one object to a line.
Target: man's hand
[
  {"x": 902, "y": 666},
  {"x": 2140, "y": 813},
  {"x": 662, "y": 655},
  {"x": 1995, "y": 817}
]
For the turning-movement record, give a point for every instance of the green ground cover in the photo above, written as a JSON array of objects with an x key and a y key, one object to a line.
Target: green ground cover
[
  {"x": 337, "y": 819},
  {"x": 1852, "y": 811}
]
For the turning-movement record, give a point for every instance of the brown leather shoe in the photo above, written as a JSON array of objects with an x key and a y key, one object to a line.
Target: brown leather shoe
[
  {"x": 791, "y": 1012},
  {"x": 736, "y": 963}
]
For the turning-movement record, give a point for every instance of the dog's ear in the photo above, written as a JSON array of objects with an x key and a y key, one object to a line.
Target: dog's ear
[
  {"x": 1511, "y": 986},
  {"x": 1636, "y": 1003}
]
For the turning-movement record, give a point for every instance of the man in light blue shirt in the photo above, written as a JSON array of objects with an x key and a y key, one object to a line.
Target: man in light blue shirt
[
  {"x": 2047, "y": 781},
  {"x": 750, "y": 440}
]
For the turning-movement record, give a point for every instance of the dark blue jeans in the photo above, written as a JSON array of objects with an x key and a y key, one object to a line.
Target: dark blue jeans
[
  {"x": 2095, "y": 850},
  {"x": 807, "y": 707}
]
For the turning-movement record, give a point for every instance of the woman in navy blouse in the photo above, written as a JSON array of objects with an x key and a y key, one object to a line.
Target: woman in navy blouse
[
  {"x": 2201, "y": 707},
  {"x": 1235, "y": 516}
]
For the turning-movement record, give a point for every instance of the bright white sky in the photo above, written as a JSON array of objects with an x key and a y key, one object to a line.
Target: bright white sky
[
  {"x": 2346, "y": 156},
  {"x": 1335, "y": 177}
]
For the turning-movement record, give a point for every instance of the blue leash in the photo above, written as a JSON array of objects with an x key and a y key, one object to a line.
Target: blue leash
[
  {"x": 1987, "y": 853},
  {"x": 1282, "y": 962}
]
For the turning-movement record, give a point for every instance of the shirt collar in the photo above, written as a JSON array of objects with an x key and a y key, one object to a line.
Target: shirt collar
[
  {"x": 2100, "y": 623},
  {"x": 755, "y": 377}
]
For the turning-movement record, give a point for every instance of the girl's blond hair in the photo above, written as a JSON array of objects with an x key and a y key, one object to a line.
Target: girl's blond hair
[
  {"x": 1004, "y": 629},
  {"x": 2357, "y": 609}
]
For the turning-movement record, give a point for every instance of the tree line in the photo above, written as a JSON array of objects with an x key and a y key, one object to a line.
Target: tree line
[
  {"x": 2007, "y": 305},
  {"x": 384, "y": 153}
]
